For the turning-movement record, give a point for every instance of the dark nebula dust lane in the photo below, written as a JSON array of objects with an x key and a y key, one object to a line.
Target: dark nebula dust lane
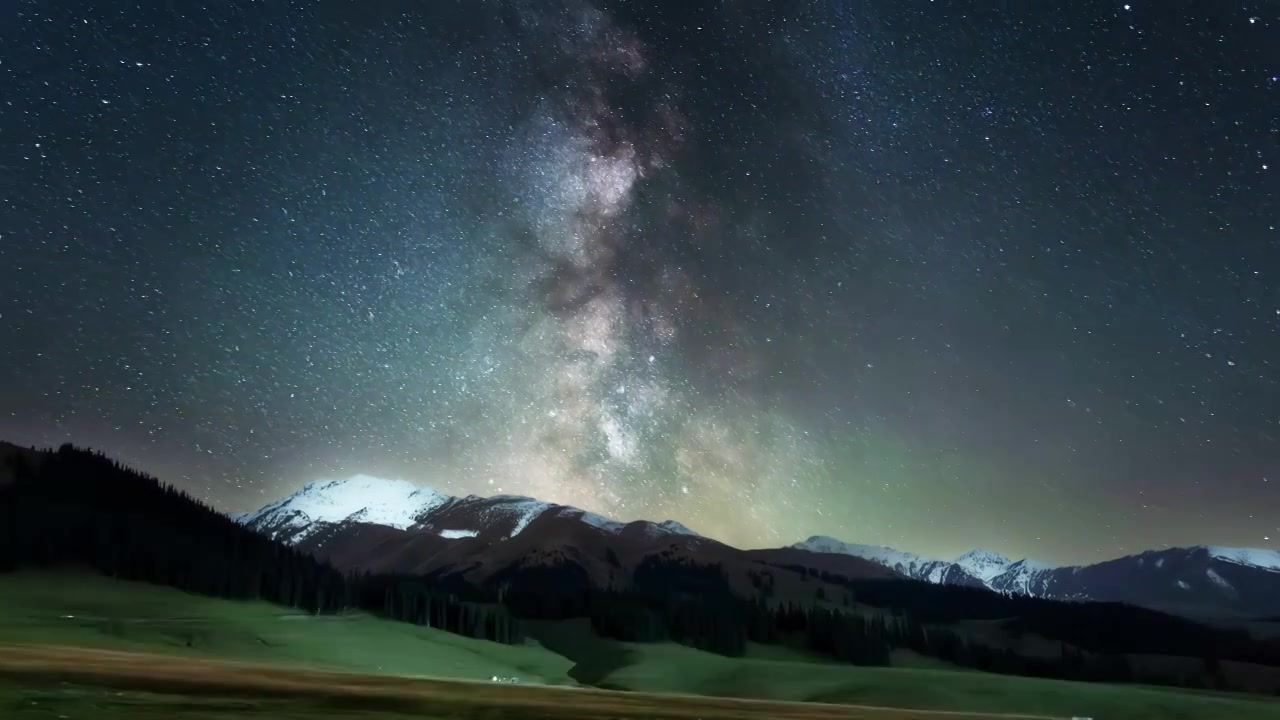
[{"x": 900, "y": 273}]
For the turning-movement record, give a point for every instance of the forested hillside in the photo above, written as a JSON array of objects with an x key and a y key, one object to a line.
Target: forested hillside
[{"x": 75, "y": 507}]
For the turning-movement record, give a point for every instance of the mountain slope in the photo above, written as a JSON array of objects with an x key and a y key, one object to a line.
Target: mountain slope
[
  {"x": 72, "y": 507},
  {"x": 1201, "y": 578}
]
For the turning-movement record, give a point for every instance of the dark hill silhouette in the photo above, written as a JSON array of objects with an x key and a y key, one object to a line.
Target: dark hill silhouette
[{"x": 74, "y": 507}]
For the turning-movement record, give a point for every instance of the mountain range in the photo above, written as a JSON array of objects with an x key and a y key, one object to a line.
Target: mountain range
[
  {"x": 1198, "y": 579},
  {"x": 507, "y": 568},
  {"x": 394, "y": 526}
]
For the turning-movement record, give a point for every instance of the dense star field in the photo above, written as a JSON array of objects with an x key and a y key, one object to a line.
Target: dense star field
[{"x": 898, "y": 272}]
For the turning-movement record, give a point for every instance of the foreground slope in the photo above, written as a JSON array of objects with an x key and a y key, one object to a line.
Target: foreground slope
[
  {"x": 173, "y": 635},
  {"x": 771, "y": 673},
  {"x": 88, "y": 610},
  {"x": 49, "y": 682}
]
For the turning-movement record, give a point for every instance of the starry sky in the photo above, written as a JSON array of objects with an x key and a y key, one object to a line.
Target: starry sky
[{"x": 925, "y": 274}]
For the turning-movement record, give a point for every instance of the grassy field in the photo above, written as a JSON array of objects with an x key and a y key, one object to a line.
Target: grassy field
[
  {"x": 780, "y": 674},
  {"x": 71, "y": 609},
  {"x": 92, "y": 611},
  {"x": 674, "y": 670}
]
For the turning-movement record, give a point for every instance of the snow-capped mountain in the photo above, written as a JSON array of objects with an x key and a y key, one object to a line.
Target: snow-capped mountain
[
  {"x": 393, "y": 503},
  {"x": 666, "y": 527},
  {"x": 983, "y": 564},
  {"x": 394, "y": 526},
  {"x": 1023, "y": 577},
  {"x": 319, "y": 508},
  {"x": 904, "y": 563},
  {"x": 1249, "y": 557},
  {"x": 1202, "y": 578},
  {"x": 1210, "y": 579}
]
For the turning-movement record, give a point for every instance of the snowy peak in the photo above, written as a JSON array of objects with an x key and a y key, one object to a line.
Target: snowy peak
[
  {"x": 403, "y": 505},
  {"x": 980, "y": 568},
  {"x": 652, "y": 529},
  {"x": 1024, "y": 577},
  {"x": 878, "y": 553},
  {"x": 905, "y": 563},
  {"x": 362, "y": 498},
  {"x": 1250, "y": 557},
  {"x": 594, "y": 520},
  {"x": 394, "y": 503},
  {"x": 671, "y": 527},
  {"x": 983, "y": 564},
  {"x": 827, "y": 544}
]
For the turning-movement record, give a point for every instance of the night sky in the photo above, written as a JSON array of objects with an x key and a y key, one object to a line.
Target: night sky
[{"x": 896, "y": 271}]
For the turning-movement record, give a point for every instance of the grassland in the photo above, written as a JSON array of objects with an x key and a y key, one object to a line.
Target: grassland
[
  {"x": 86, "y": 611},
  {"x": 134, "y": 684},
  {"x": 779, "y": 674}
]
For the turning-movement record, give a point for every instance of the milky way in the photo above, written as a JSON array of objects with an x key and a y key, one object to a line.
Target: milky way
[
  {"x": 591, "y": 397},
  {"x": 899, "y": 273}
]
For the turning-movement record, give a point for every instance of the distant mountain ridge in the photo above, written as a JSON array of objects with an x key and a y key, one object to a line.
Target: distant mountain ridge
[
  {"x": 393, "y": 525},
  {"x": 984, "y": 565},
  {"x": 907, "y": 564},
  {"x": 976, "y": 568},
  {"x": 1202, "y": 577}
]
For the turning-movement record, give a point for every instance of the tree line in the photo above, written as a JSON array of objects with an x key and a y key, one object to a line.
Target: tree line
[
  {"x": 1096, "y": 627},
  {"x": 76, "y": 507},
  {"x": 673, "y": 599}
]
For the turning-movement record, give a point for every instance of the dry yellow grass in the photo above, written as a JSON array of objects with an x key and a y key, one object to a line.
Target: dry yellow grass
[{"x": 432, "y": 697}]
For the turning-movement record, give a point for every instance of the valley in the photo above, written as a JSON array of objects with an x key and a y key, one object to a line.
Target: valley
[{"x": 77, "y": 644}]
